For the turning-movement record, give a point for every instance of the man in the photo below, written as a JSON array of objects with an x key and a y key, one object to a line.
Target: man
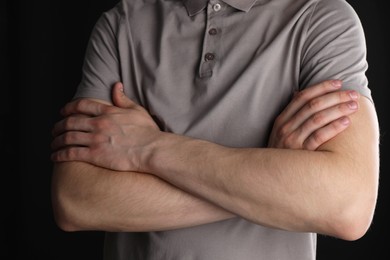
[{"x": 205, "y": 160}]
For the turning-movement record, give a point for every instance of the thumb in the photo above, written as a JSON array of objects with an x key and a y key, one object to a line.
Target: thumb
[{"x": 119, "y": 98}]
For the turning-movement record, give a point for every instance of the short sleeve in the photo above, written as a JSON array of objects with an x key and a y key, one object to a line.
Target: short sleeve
[
  {"x": 335, "y": 47},
  {"x": 101, "y": 69}
]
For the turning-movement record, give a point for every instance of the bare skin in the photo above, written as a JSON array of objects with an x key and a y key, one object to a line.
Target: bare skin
[{"x": 315, "y": 119}]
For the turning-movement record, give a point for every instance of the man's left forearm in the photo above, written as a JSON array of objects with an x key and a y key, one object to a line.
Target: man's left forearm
[{"x": 330, "y": 191}]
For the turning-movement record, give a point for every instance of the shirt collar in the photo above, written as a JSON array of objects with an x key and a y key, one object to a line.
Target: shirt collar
[
  {"x": 195, "y": 6},
  {"x": 243, "y": 5}
]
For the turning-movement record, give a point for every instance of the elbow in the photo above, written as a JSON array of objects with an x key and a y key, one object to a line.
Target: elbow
[
  {"x": 353, "y": 201},
  {"x": 359, "y": 206},
  {"x": 63, "y": 205},
  {"x": 352, "y": 221},
  {"x": 351, "y": 228},
  {"x": 63, "y": 217},
  {"x": 74, "y": 203},
  {"x": 63, "y": 222}
]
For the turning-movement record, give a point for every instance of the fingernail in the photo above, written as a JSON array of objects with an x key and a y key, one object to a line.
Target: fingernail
[
  {"x": 353, "y": 94},
  {"x": 336, "y": 83},
  {"x": 352, "y": 105}
]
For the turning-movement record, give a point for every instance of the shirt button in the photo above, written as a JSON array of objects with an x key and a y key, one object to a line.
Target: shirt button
[
  {"x": 209, "y": 56},
  {"x": 217, "y": 7},
  {"x": 213, "y": 31}
]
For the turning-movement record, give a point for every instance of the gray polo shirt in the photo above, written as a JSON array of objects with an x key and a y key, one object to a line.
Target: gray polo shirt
[{"x": 221, "y": 70}]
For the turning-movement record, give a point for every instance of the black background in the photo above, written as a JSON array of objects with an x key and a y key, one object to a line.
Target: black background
[{"x": 42, "y": 47}]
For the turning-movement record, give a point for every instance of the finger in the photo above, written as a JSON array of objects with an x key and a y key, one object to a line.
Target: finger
[
  {"x": 72, "y": 123},
  {"x": 323, "y": 118},
  {"x": 324, "y": 134},
  {"x": 72, "y": 154},
  {"x": 302, "y": 97},
  {"x": 73, "y": 138},
  {"x": 120, "y": 99},
  {"x": 314, "y": 106},
  {"x": 84, "y": 106}
]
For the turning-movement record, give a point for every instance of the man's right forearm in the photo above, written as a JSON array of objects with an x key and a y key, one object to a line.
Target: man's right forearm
[{"x": 86, "y": 197}]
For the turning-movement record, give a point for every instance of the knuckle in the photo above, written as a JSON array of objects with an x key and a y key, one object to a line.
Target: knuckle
[
  {"x": 101, "y": 123},
  {"x": 70, "y": 153},
  {"x": 71, "y": 138},
  {"x": 316, "y": 138},
  {"x": 336, "y": 127},
  {"x": 307, "y": 127},
  {"x": 309, "y": 145},
  {"x": 317, "y": 119},
  {"x": 343, "y": 95},
  {"x": 108, "y": 109},
  {"x": 301, "y": 95},
  {"x": 283, "y": 131},
  {"x": 314, "y": 104},
  {"x": 80, "y": 104},
  {"x": 278, "y": 120},
  {"x": 291, "y": 142},
  {"x": 67, "y": 138},
  {"x": 342, "y": 107},
  {"x": 67, "y": 122},
  {"x": 288, "y": 142}
]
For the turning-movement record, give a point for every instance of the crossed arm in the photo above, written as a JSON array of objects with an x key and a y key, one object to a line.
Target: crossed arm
[{"x": 326, "y": 182}]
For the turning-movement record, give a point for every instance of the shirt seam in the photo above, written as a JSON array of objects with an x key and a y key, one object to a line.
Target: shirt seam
[{"x": 306, "y": 31}]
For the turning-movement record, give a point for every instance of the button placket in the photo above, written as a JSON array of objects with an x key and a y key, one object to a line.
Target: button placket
[{"x": 211, "y": 39}]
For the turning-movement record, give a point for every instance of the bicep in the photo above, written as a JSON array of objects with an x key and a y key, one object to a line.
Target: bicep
[{"x": 357, "y": 148}]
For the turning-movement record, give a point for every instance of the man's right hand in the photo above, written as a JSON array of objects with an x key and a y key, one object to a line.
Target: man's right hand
[
  {"x": 102, "y": 134},
  {"x": 314, "y": 116}
]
